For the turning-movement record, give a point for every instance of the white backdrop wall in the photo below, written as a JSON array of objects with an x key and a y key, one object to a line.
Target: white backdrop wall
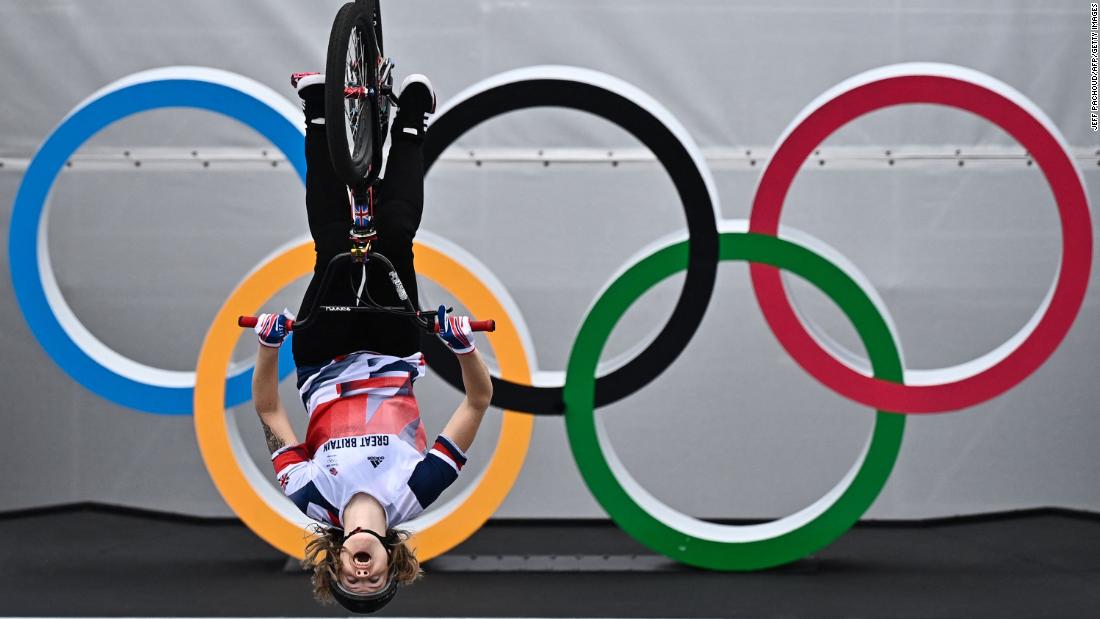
[{"x": 733, "y": 429}]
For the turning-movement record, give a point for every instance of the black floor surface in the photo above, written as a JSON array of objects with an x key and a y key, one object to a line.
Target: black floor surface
[{"x": 97, "y": 562}]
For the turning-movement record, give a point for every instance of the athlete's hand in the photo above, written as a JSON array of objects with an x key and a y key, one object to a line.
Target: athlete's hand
[
  {"x": 271, "y": 329},
  {"x": 455, "y": 332}
]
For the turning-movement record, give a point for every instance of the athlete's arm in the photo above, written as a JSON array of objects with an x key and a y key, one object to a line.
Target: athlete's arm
[
  {"x": 445, "y": 459},
  {"x": 456, "y": 333},
  {"x": 265, "y": 384}
]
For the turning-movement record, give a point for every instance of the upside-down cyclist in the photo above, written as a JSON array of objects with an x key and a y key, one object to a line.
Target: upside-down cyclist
[{"x": 365, "y": 465}]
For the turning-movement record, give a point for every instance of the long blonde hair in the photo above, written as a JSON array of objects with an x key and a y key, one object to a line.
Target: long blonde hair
[{"x": 323, "y": 557}]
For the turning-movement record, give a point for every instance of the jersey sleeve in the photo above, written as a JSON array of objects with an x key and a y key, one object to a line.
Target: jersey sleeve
[
  {"x": 437, "y": 471},
  {"x": 288, "y": 460},
  {"x": 294, "y": 471},
  {"x": 292, "y": 468}
]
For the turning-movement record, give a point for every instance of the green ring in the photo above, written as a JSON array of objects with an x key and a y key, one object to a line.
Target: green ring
[{"x": 679, "y": 536}]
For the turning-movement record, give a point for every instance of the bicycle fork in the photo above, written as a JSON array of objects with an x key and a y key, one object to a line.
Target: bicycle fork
[{"x": 362, "y": 232}]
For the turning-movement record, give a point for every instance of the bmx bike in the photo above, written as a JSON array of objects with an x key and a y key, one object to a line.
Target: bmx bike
[{"x": 361, "y": 99}]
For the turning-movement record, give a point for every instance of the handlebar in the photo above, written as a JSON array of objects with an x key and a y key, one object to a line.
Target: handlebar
[
  {"x": 476, "y": 325},
  {"x": 483, "y": 325},
  {"x": 248, "y": 322}
]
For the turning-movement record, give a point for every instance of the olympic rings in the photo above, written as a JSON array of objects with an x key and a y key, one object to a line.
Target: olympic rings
[
  {"x": 974, "y": 382},
  {"x": 653, "y": 125},
  {"x": 68, "y": 342},
  {"x": 675, "y": 534},
  {"x": 258, "y": 503},
  {"x": 891, "y": 387}
]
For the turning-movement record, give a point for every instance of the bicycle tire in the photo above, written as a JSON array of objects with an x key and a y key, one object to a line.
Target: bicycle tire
[
  {"x": 355, "y": 124},
  {"x": 382, "y": 110}
]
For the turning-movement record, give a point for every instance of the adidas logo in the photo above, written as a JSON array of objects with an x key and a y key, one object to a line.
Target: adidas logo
[{"x": 376, "y": 460}]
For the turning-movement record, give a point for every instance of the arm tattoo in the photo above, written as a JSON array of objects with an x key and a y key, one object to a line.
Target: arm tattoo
[{"x": 274, "y": 443}]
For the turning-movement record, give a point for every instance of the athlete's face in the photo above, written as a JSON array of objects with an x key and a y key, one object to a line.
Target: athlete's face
[{"x": 364, "y": 564}]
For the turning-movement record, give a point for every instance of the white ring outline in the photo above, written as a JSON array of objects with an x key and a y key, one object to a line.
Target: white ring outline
[
  {"x": 967, "y": 369},
  {"x": 66, "y": 318}
]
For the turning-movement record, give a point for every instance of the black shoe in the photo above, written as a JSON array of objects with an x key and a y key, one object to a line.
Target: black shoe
[
  {"x": 416, "y": 101},
  {"x": 311, "y": 89}
]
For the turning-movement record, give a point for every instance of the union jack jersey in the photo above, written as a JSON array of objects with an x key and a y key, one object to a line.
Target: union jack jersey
[{"x": 365, "y": 435}]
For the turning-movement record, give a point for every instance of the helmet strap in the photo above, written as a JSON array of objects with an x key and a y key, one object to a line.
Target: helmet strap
[{"x": 387, "y": 542}]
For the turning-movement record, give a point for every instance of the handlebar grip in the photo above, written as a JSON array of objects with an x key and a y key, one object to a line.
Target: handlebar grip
[
  {"x": 248, "y": 322},
  {"x": 483, "y": 325}
]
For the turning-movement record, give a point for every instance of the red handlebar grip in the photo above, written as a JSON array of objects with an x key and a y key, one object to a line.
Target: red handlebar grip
[
  {"x": 483, "y": 325},
  {"x": 248, "y": 322}
]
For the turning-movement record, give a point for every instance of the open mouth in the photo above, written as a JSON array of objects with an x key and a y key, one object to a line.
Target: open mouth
[{"x": 361, "y": 557}]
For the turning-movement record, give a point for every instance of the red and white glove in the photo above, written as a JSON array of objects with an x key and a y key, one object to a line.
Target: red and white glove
[
  {"x": 271, "y": 329},
  {"x": 455, "y": 332}
]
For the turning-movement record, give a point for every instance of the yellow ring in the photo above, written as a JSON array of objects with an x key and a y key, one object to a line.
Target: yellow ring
[{"x": 213, "y": 430}]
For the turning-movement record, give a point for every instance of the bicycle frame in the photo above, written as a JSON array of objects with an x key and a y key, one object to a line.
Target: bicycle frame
[
  {"x": 371, "y": 92},
  {"x": 362, "y": 235}
]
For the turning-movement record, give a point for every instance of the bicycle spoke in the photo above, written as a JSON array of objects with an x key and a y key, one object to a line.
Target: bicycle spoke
[
  {"x": 364, "y": 81},
  {"x": 352, "y": 71}
]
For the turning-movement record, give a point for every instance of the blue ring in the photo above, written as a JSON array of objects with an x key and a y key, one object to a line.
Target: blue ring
[{"x": 29, "y": 205}]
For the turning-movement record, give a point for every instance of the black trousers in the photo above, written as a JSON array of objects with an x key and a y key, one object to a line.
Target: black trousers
[{"x": 399, "y": 205}]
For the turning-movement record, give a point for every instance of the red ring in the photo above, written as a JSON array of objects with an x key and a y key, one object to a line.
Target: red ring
[{"x": 1069, "y": 194}]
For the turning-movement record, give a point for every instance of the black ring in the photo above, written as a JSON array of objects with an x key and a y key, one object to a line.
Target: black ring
[{"x": 690, "y": 186}]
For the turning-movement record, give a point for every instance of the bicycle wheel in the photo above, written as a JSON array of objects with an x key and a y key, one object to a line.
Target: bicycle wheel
[{"x": 355, "y": 109}]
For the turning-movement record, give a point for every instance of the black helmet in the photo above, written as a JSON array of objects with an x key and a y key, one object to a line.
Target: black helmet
[{"x": 367, "y": 602}]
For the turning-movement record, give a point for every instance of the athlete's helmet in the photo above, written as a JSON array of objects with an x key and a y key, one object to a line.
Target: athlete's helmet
[{"x": 365, "y": 602}]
